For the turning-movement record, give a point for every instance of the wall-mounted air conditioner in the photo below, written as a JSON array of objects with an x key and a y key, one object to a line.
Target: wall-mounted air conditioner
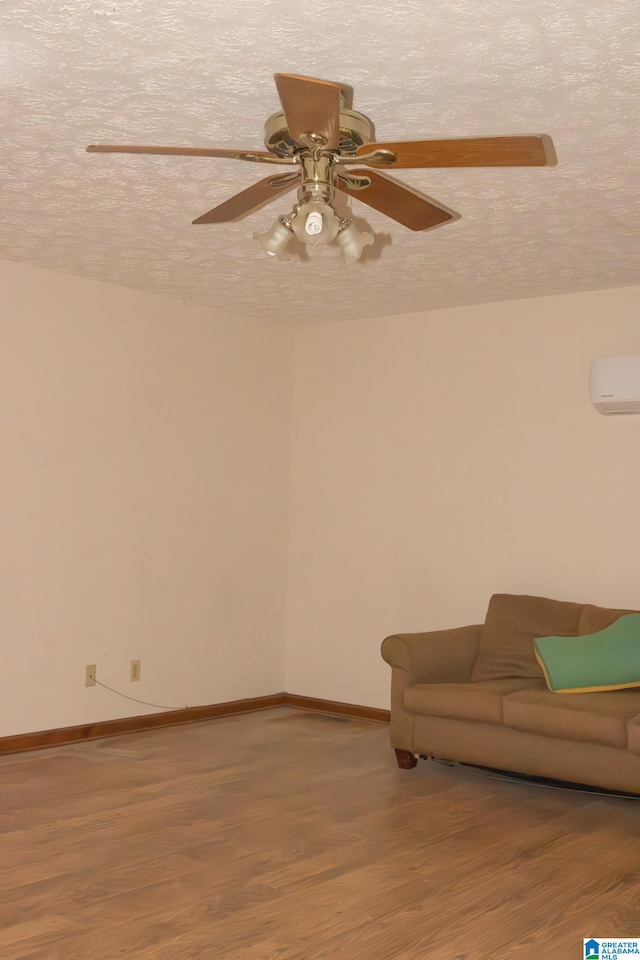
[{"x": 615, "y": 384}]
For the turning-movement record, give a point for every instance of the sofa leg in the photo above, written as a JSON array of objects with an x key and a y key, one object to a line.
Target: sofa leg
[{"x": 406, "y": 760}]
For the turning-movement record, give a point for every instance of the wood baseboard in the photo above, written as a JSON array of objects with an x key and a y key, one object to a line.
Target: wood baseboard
[
  {"x": 114, "y": 728},
  {"x": 60, "y": 736},
  {"x": 337, "y": 708}
]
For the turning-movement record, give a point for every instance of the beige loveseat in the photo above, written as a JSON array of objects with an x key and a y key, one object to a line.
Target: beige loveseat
[{"x": 477, "y": 695}]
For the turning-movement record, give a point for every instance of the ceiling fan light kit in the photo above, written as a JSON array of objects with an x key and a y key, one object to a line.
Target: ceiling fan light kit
[
  {"x": 313, "y": 220},
  {"x": 317, "y": 134},
  {"x": 315, "y": 224}
]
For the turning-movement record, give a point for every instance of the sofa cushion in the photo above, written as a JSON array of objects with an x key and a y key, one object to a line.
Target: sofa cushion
[
  {"x": 633, "y": 735},
  {"x": 511, "y": 625},
  {"x": 593, "y": 619},
  {"x": 585, "y": 717},
  {"x": 463, "y": 701},
  {"x": 607, "y": 660}
]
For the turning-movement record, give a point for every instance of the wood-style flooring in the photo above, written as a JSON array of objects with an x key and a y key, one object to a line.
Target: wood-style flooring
[{"x": 285, "y": 835}]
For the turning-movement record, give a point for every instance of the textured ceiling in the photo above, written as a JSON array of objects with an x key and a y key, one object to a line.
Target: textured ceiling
[{"x": 199, "y": 73}]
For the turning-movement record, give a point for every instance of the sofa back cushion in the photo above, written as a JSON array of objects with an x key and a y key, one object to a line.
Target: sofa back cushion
[
  {"x": 512, "y": 624},
  {"x": 593, "y": 619}
]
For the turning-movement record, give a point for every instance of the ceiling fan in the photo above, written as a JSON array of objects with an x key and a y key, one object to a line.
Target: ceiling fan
[{"x": 317, "y": 135}]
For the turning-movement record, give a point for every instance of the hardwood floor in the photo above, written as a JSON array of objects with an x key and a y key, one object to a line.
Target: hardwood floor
[{"x": 284, "y": 835}]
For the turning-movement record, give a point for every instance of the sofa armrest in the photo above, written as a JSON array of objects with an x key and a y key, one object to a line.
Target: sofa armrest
[{"x": 440, "y": 656}]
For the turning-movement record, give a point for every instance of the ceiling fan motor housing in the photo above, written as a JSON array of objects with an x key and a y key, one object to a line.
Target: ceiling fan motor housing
[{"x": 355, "y": 131}]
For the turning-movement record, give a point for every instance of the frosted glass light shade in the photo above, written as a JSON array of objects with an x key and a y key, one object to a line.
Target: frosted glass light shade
[
  {"x": 275, "y": 240},
  {"x": 353, "y": 241}
]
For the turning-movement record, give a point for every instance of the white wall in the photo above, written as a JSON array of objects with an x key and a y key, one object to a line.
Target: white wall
[
  {"x": 144, "y": 492},
  {"x": 441, "y": 457},
  {"x": 143, "y": 500}
]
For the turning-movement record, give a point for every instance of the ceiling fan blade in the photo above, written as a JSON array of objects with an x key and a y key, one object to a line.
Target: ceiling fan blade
[
  {"x": 245, "y": 201},
  {"x": 260, "y": 156},
  {"x": 471, "y": 152},
  {"x": 310, "y": 107},
  {"x": 397, "y": 200}
]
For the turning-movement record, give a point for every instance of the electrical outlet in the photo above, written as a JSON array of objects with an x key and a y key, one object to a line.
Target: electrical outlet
[
  {"x": 135, "y": 669},
  {"x": 90, "y": 675}
]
